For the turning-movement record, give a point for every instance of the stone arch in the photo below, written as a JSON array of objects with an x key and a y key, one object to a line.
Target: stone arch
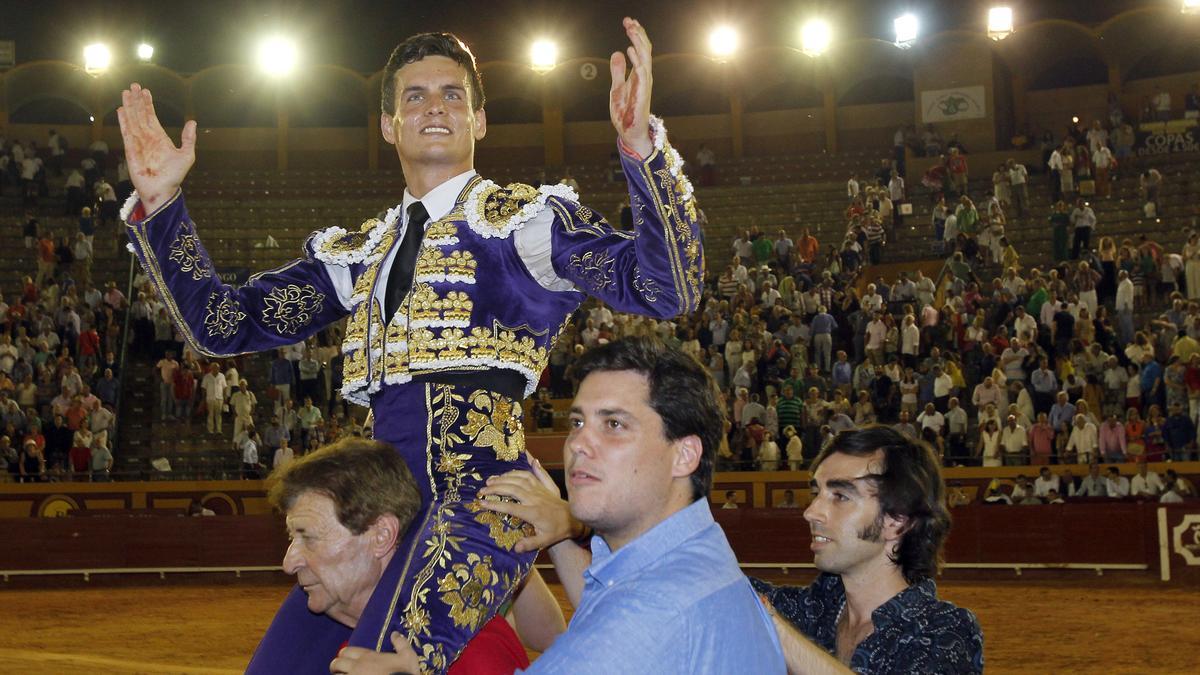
[
  {"x": 688, "y": 84},
  {"x": 514, "y": 93},
  {"x": 777, "y": 78},
  {"x": 1057, "y": 53},
  {"x": 49, "y": 109},
  {"x": 583, "y": 100},
  {"x": 856, "y": 65},
  {"x": 233, "y": 95},
  {"x": 59, "y": 80},
  {"x": 327, "y": 96}
]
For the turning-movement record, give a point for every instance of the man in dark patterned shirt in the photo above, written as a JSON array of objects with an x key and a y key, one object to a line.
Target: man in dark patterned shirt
[{"x": 878, "y": 518}]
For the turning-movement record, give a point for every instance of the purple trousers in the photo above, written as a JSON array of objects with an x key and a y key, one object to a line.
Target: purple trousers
[{"x": 455, "y": 566}]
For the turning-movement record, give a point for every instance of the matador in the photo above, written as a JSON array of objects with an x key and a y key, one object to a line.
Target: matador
[{"x": 455, "y": 298}]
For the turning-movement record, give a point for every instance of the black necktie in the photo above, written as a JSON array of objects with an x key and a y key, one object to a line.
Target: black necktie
[{"x": 404, "y": 264}]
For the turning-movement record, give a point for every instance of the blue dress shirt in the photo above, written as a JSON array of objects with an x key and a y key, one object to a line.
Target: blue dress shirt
[{"x": 671, "y": 601}]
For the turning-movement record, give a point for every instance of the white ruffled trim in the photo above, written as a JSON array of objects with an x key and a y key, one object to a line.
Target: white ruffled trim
[
  {"x": 363, "y": 253},
  {"x": 658, "y": 133},
  {"x": 444, "y": 241},
  {"x": 351, "y": 345},
  {"x": 397, "y": 378},
  {"x": 442, "y": 277},
  {"x": 486, "y": 230},
  {"x": 127, "y": 209},
  {"x": 440, "y": 323}
]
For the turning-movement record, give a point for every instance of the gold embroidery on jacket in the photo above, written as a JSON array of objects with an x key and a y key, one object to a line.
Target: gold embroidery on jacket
[
  {"x": 433, "y": 263},
  {"x": 495, "y": 423},
  {"x": 224, "y": 315},
  {"x": 595, "y": 268},
  {"x": 287, "y": 309},
  {"x": 185, "y": 251}
]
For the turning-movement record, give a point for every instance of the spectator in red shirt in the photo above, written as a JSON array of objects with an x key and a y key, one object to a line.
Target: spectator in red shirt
[
  {"x": 46, "y": 260},
  {"x": 956, "y": 163}
]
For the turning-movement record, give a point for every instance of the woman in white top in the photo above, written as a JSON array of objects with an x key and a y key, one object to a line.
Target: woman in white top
[
  {"x": 768, "y": 453},
  {"x": 910, "y": 340},
  {"x": 1191, "y": 266},
  {"x": 989, "y": 443},
  {"x": 795, "y": 448}
]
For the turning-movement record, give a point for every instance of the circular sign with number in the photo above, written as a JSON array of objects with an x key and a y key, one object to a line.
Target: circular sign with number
[{"x": 588, "y": 71}]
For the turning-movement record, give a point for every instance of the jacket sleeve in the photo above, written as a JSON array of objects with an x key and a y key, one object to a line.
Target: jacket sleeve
[
  {"x": 274, "y": 308},
  {"x": 657, "y": 270}
]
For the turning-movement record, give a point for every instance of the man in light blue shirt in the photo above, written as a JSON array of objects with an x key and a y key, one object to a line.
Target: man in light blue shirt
[{"x": 660, "y": 591}]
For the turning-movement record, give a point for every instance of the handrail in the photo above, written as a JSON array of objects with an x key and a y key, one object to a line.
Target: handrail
[{"x": 121, "y": 358}]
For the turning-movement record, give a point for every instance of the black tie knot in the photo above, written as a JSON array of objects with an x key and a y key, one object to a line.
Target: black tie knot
[
  {"x": 404, "y": 264},
  {"x": 416, "y": 214}
]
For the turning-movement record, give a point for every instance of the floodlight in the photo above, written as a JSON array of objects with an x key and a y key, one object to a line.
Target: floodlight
[
  {"x": 1000, "y": 22},
  {"x": 145, "y": 52},
  {"x": 723, "y": 41},
  {"x": 815, "y": 37},
  {"x": 543, "y": 55},
  {"x": 277, "y": 56},
  {"x": 96, "y": 58},
  {"x": 1191, "y": 7},
  {"x": 906, "y": 30}
]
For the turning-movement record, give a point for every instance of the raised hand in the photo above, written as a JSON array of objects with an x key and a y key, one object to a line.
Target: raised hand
[
  {"x": 538, "y": 503},
  {"x": 629, "y": 98},
  {"x": 156, "y": 167}
]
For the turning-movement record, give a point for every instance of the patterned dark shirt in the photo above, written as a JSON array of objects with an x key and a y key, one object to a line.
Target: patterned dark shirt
[{"x": 914, "y": 631}]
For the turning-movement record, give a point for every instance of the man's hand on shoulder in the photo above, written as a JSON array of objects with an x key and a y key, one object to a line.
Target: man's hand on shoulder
[
  {"x": 361, "y": 661},
  {"x": 537, "y": 502}
]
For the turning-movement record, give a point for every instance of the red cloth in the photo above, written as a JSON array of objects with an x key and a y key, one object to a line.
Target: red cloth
[
  {"x": 81, "y": 459},
  {"x": 89, "y": 343},
  {"x": 495, "y": 650}
]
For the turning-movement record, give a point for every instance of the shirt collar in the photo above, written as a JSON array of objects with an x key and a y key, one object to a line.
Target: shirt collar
[
  {"x": 658, "y": 541},
  {"x": 440, "y": 199},
  {"x": 921, "y": 593}
]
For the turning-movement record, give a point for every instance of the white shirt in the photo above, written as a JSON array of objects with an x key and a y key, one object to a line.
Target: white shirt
[
  {"x": 283, "y": 457},
  {"x": 1043, "y": 486},
  {"x": 934, "y": 420},
  {"x": 942, "y": 385},
  {"x": 249, "y": 451},
  {"x": 852, "y": 188},
  {"x": 1085, "y": 439},
  {"x": 1125, "y": 295},
  {"x": 1118, "y": 487},
  {"x": 1148, "y": 486},
  {"x": 532, "y": 241},
  {"x": 214, "y": 386},
  {"x": 1013, "y": 439},
  {"x": 1018, "y": 174}
]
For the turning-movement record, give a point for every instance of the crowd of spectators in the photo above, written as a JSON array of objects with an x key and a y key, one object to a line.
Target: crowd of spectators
[
  {"x": 1093, "y": 358},
  {"x": 994, "y": 363},
  {"x": 59, "y": 332},
  {"x": 300, "y": 409}
]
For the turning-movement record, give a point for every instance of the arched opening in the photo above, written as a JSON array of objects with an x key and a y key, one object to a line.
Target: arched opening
[
  {"x": 880, "y": 89},
  {"x": 49, "y": 110},
  {"x": 1077, "y": 71}
]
